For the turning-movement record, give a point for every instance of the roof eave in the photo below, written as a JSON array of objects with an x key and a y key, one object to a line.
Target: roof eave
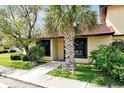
[{"x": 103, "y": 34}]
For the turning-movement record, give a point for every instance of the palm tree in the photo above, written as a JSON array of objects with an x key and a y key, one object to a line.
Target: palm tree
[{"x": 69, "y": 20}]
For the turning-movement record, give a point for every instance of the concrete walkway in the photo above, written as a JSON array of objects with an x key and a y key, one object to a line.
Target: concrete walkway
[
  {"x": 32, "y": 74},
  {"x": 4, "y": 69},
  {"x": 12, "y": 83},
  {"x": 38, "y": 76},
  {"x": 58, "y": 82}
]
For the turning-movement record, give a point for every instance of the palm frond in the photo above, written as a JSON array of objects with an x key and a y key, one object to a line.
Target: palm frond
[{"x": 58, "y": 18}]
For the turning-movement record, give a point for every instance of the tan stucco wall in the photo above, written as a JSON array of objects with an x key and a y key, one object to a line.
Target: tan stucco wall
[
  {"x": 95, "y": 41},
  {"x": 117, "y": 37},
  {"x": 61, "y": 49},
  {"x": 115, "y": 18},
  {"x": 57, "y": 47},
  {"x": 49, "y": 58},
  {"x": 54, "y": 49}
]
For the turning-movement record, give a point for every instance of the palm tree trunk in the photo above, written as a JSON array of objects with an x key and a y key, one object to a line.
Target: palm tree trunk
[{"x": 69, "y": 49}]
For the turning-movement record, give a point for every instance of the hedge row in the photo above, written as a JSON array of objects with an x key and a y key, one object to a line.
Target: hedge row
[
  {"x": 7, "y": 51},
  {"x": 19, "y": 56}
]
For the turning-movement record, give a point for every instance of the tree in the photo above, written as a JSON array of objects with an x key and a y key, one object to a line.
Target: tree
[
  {"x": 69, "y": 20},
  {"x": 7, "y": 41},
  {"x": 20, "y": 22}
]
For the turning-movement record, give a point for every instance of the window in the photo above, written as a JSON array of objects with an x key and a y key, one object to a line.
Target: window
[
  {"x": 80, "y": 47},
  {"x": 46, "y": 45}
]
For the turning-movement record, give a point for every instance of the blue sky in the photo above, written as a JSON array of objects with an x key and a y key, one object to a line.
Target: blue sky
[{"x": 95, "y": 7}]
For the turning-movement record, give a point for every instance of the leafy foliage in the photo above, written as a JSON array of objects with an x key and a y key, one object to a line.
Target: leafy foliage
[
  {"x": 25, "y": 58},
  {"x": 16, "y": 56},
  {"x": 19, "y": 22},
  {"x": 119, "y": 44},
  {"x": 7, "y": 40},
  {"x": 60, "y": 17},
  {"x": 110, "y": 59},
  {"x": 35, "y": 53}
]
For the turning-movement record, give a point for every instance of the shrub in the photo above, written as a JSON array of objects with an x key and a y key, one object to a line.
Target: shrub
[
  {"x": 110, "y": 59},
  {"x": 118, "y": 72},
  {"x": 16, "y": 56},
  {"x": 35, "y": 53},
  {"x": 25, "y": 58},
  {"x": 3, "y": 51},
  {"x": 98, "y": 57},
  {"x": 12, "y": 51},
  {"x": 118, "y": 44}
]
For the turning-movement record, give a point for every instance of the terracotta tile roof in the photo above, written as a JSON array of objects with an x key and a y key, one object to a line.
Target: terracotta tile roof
[{"x": 101, "y": 29}]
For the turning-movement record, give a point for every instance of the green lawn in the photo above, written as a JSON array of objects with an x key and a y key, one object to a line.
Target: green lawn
[
  {"x": 6, "y": 61},
  {"x": 85, "y": 72}
]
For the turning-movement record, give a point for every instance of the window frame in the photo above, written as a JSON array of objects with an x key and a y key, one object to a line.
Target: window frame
[{"x": 85, "y": 48}]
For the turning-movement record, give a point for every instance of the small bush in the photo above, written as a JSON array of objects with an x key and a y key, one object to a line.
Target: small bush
[
  {"x": 25, "y": 58},
  {"x": 110, "y": 59},
  {"x": 12, "y": 51},
  {"x": 118, "y": 44},
  {"x": 16, "y": 56},
  {"x": 35, "y": 53},
  {"x": 3, "y": 51}
]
